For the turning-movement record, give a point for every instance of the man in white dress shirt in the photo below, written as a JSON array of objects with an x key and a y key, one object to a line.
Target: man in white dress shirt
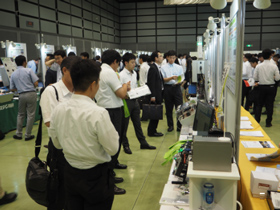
[
  {"x": 246, "y": 74},
  {"x": 144, "y": 68},
  {"x": 266, "y": 73},
  {"x": 78, "y": 127},
  {"x": 52, "y": 96},
  {"x": 109, "y": 96},
  {"x": 172, "y": 90},
  {"x": 129, "y": 75},
  {"x": 55, "y": 63}
]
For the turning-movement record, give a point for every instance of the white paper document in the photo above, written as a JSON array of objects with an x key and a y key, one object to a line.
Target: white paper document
[
  {"x": 251, "y": 133},
  {"x": 275, "y": 198},
  {"x": 244, "y": 118},
  {"x": 249, "y": 155},
  {"x": 138, "y": 92},
  {"x": 246, "y": 125},
  {"x": 257, "y": 144}
]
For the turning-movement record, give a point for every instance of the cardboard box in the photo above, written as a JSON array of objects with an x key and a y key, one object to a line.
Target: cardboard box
[{"x": 262, "y": 182}]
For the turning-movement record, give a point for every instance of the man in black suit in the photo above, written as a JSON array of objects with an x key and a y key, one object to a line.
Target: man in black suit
[{"x": 155, "y": 83}]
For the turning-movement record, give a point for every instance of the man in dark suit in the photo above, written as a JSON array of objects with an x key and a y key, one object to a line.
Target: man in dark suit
[{"x": 155, "y": 83}]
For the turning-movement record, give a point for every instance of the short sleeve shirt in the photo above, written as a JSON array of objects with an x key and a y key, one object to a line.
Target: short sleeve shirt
[
  {"x": 109, "y": 83},
  {"x": 23, "y": 80}
]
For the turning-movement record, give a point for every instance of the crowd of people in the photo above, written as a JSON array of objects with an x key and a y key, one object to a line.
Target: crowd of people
[
  {"x": 260, "y": 76},
  {"x": 82, "y": 95}
]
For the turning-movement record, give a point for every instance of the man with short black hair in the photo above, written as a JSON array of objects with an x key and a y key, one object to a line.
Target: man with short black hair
[
  {"x": 144, "y": 68},
  {"x": 98, "y": 60},
  {"x": 55, "y": 63},
  {"x": 172, "y": 90},
  {"x": 266, "y": 74},
  {"x": 51, "y": 74},
  {"x": 260, "y": 57},
  {"x": 51, "y": 97},
  {"x": 110, "y": 95},
  {"x": 155, "y": 83},
  {"x": 84, "y": 55},
  {"x": 71, "y": 54},
  {"x": 24, "y": 81},
  {"x": 88, "y": 139},
  {"x": 129, "y": 75}
]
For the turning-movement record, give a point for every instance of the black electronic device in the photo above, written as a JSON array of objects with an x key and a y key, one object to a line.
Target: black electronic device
[
  {"x": 181, "y": 165},
  {"x": 204, "y": 117}
]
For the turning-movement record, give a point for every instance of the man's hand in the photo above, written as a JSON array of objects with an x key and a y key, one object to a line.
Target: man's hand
[
  {"x": 153, "y": 99},
  {"x": 256, "y": 84},
  {"x": 174, "y": 77}
]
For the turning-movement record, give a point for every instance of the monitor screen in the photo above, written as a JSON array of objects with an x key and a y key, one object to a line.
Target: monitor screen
[
  {"x": 4, "y": 76},
  {"x": 204, "y": 117}
]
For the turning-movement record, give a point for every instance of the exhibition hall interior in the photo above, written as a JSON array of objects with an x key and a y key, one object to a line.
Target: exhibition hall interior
[{"x": 139, "y": 104}]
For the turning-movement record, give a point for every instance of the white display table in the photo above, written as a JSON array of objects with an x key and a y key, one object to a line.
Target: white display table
[{"x": 225, "y": 187}]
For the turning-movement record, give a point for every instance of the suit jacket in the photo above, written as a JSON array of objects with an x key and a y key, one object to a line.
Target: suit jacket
[{"x": 155, "y": 83}]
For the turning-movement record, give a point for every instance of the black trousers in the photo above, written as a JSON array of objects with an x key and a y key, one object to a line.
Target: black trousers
[
  {"x": 172, "y": 96},
  {"x": 89, "y": 189},
  {"x": 117, "y": 119},
  {"x": 56, "y": 161},
  {"x": 245, "y": 93},
  {"x": 266, "y": 97},
  {"x": 134, "y": 110}
]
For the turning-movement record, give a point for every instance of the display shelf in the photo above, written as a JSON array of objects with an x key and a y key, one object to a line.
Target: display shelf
[{"x": 225, "y": 187}]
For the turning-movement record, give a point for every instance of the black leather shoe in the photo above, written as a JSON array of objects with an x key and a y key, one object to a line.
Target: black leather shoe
[
  {"x": 17, "y": 137},
  {"x": 127, "y": 150},
  {"x": 8, "y": 198},
  {"x": 119, "y": 191},
  {"x": 170, "y": 129},
  {"x": 268, "y": 125},
  {"x": 120, "y": 166},
  {"x": 30, "y": 138},
  {"x": 147, "y": 146},
  {"x": 118, "y": 180},
  {"x": 155, "y": 135},
  {"x": 179, "y": 129}
]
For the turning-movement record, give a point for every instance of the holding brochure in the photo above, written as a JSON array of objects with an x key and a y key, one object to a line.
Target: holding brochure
[{"x": 139, "y": 92}]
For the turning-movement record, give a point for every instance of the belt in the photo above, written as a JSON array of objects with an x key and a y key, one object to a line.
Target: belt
[
  {"x": 271, "y": 85},
  {"x": 27, "y": 92}
]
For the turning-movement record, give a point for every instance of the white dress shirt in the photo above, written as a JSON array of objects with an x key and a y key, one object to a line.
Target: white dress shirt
[
  {"x": 109, "y": 83},
  {"x": 127, "y": 76},
  {"x": 266, "y": 72},
  {"x": 184, "y": 65},
  {"x": 48, "y": 99},
  {"x": 169, "y": 70},
  {"x": 84, "y": 131},
  {"x": 247, "y": 70},
  {"x": 143, "y": 75}
]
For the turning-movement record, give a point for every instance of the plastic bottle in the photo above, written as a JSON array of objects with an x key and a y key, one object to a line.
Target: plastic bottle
[{"x": 208, "y": 196}]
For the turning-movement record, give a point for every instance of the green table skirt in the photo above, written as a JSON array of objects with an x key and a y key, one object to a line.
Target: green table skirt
[{"x": 8, "y": 115}]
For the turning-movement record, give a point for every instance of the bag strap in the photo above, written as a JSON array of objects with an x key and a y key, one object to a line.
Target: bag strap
[{"x": 38, "y": 141}]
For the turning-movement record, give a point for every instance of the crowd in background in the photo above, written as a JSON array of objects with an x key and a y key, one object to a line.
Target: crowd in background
[{"x": 260, "y": 81}]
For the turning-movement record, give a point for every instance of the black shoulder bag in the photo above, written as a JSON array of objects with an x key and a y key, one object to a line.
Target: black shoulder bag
[{"x": 38, "y": 177}]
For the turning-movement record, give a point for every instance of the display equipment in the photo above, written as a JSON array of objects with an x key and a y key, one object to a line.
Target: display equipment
[
  {"x": 204, "y": 117},
  {"x": 16, "y": 49},
  {"x": 4, "y": 76},
  {"x": 10, "y": 65}
]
